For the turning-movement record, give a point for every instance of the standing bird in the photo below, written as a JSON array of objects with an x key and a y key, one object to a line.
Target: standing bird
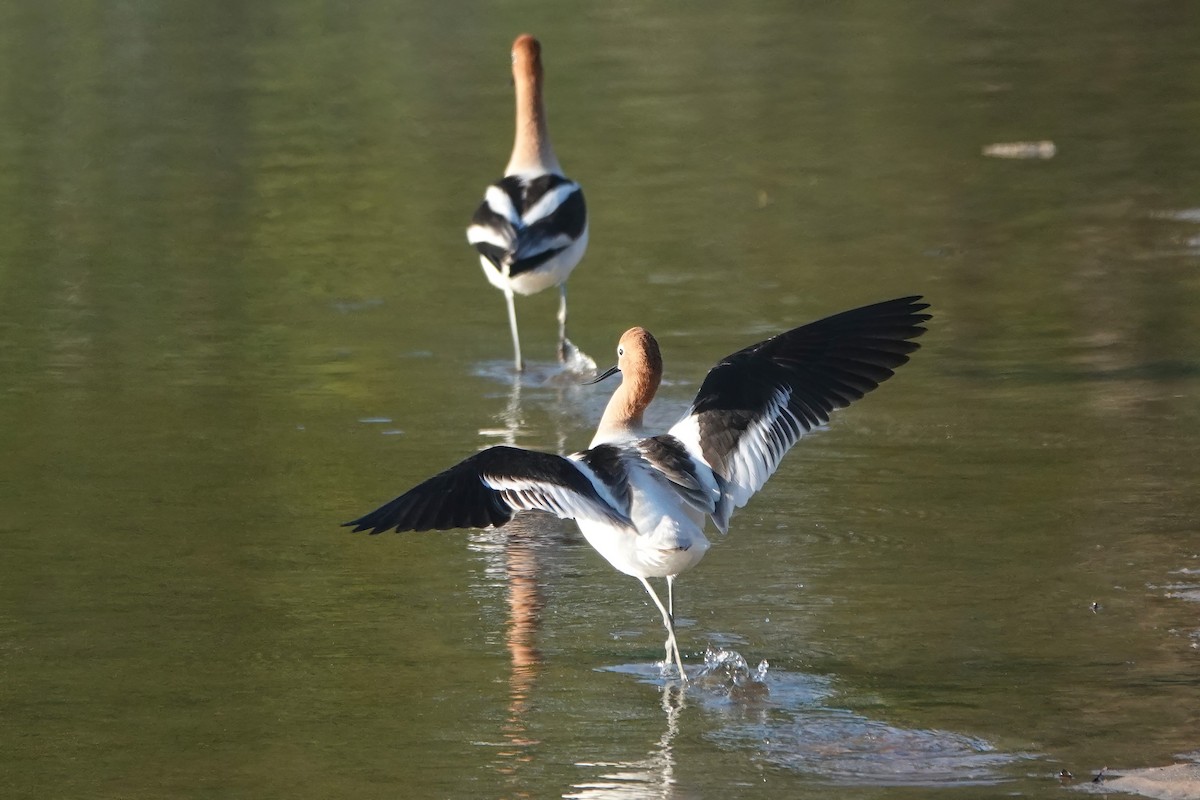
[
  {"x": 531, "y": 229},
  {"x": 641, "y": 499}
]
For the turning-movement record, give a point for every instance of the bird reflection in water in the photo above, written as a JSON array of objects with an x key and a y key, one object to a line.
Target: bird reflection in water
[
  {"x": 510, "y": 419},
  {"x": 525, "y": 603},
  {"x": 645, "y": 778},
  {"x": 552, "y": 388}
]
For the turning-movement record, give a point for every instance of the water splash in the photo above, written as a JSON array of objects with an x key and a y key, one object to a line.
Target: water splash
[
  {"x": 575, "y": 367},
  {"x": 727, "y": 672},
  {"x": 577, "y": 361}
]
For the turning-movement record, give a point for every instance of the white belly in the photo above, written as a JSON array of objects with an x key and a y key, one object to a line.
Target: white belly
[{"x": 669, "y": 539}]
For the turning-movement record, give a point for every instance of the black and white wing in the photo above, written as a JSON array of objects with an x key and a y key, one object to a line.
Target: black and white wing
[
  {"x": 525, "y": 222},
  {"x": 488, "y": 488},
  {"x": 690, "y": 477},
  {"x": 758, "y": 402}
]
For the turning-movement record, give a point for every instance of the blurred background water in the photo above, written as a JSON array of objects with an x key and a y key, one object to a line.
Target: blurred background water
[{"x": 237, "y": 308}]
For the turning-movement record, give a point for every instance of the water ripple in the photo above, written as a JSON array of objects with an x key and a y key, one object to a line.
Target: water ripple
[{"x": 781, "y": 718}]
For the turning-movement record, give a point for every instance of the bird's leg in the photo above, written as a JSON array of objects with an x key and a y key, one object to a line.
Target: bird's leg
[
  {"x": 512, "y": 324},
  {"x": 562, "y": 323},
  {"x": 672, "y": 646},
  {"x": 671, "y": 614}
]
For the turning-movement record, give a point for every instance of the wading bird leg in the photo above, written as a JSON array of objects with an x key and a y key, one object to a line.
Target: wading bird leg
[
  {"x": 562, "y": 322},
  {"x": 672, "y": 646},
  {"x": 512, "y": 324}
]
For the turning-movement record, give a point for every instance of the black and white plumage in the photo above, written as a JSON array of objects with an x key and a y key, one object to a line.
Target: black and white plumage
[
  {"x": 757, "y": 403},
  {"x": 531, "y": 230},
  {"x": 489, "y": 488},
  {"x": 641, "y": 500}
]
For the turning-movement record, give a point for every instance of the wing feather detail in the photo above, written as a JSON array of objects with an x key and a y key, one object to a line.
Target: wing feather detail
[
  {"x": 488, "y": 488},
  {"x": 758, "y": 402},
  {"x": 691, "y": 479}
]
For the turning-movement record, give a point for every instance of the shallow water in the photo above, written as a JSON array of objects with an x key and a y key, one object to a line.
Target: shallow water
[{"x": 237, "y": 309}]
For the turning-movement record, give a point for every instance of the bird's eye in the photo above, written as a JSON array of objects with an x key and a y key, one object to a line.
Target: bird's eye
[{"x": 620, "y": 352}]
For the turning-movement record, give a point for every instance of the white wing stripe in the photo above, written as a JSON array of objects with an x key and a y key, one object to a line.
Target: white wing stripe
[
  {"x": 761, "y": 448},
  {"x": 500, "y": 203},
  {"x": 486, "y": 234},
  {"x": 529, "y": 495},
  {"x": 755, "y": 456},
  {"x": 549, "y": 203}
]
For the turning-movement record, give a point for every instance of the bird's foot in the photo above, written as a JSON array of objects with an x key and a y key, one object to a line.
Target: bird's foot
[
  {"x": 673, "y": 658},
  {"x": 574, "y": 359}
]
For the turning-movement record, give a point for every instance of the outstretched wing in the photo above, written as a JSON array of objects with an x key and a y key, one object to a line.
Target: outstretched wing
[
  {"x": 524, "y": 222},
  {"x": 488, "y": 488},
  {"x": 755, "y": 404}
]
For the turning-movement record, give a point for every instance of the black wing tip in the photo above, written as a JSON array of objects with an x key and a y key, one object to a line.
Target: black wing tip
[
  {"x": 909, "y": 319},
  {"x": 916, "y": 307},
  {"x": 911, "y": 306},
  {"x": 917, "y": 301},
  {"x": 364, "y": 524}
]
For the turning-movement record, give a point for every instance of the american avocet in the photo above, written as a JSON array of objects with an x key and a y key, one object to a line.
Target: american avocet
[
  {"x": 531, "y": 229},
  {"x": 641, "y": 499}
]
